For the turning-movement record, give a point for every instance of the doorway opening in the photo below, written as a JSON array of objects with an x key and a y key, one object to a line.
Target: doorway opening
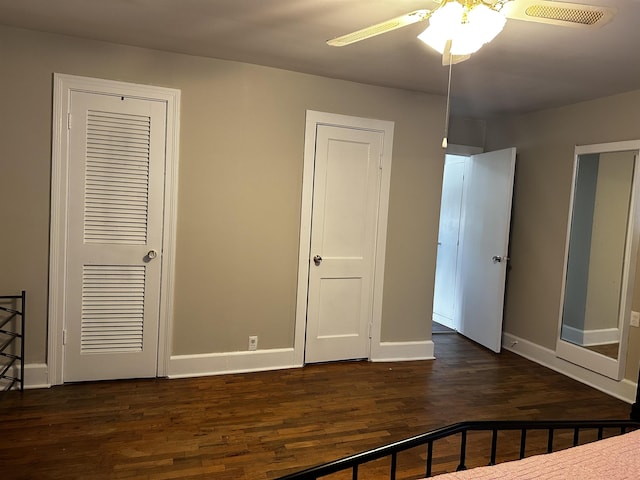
[
  {"x": 444, "y": 293},
  {"x": 473, "y": 244}
]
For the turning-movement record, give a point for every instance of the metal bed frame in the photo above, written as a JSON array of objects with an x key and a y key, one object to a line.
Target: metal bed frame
[
  {"x": 428, "y": 439},
  {"x": 12, "y": 334}
]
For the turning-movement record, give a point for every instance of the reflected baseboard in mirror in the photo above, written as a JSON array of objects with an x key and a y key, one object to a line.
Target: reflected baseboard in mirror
[
  {"x": 608, "y": 349},
  {"x": 600, "y": 258}
]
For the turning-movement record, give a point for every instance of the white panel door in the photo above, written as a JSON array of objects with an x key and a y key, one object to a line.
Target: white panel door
[
  {"x": 444, "y": 292},
  {"x": 116, "y": 185},
  {"x": 343, "y": 233},
  {"x": 486, "y": 221}
]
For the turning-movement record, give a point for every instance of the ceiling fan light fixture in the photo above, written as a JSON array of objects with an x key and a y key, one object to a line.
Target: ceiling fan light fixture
[
  {"x": 468, "y": 27},
  {"x": 441, "y": 25}
]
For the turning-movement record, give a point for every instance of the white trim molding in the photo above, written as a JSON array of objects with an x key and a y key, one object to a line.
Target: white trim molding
[
  {"x": 182, "y": 366},
  {"x": 624, "y": 389},
  {"x": 36, "y": 375},
  {"x": 402, "y": 351},
  {"x": 63, "y": 85},
  {"x": 602, "y": 336}
]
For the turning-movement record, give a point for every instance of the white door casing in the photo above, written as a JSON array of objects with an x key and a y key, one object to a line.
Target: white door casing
[
  {"x": 345, "y": 197},
  {"x": 110, "y": 301},
  {"x": 484, "y": 246}
]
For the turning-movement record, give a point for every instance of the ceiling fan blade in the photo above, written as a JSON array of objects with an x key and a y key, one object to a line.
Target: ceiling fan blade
[
  {"x": 559, "y": 13},
  {"x": 379, "y": 28}
]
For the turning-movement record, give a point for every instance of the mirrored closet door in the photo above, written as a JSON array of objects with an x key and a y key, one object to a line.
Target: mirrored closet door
[{"x": 600, "y": 258}]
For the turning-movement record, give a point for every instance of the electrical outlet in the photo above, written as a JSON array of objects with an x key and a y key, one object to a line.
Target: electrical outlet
[
  {"x": 635, "y": 319},
  {"x": 253, "y": 342}
]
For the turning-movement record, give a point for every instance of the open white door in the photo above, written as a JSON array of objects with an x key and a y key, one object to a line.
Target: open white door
[{"x": 484, "y": 245}]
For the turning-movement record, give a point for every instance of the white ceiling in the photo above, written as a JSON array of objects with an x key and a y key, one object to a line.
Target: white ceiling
[{"x": 529, "y": 66}]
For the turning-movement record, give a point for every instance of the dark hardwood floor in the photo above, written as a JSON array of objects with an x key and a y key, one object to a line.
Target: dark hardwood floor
[{"x": 262, "y": 425}]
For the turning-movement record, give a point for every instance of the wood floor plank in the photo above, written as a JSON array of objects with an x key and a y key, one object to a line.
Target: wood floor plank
[{"x": 261, "y": 425}]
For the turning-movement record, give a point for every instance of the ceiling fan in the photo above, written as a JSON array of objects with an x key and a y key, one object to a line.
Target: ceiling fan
[{"x": 458, "y": 28}]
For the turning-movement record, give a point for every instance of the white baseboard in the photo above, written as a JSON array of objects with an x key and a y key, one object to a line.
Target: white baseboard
[
  {"x": 181, "y": 366},
  {"x": 275, "y": 359},
  {"x": 36, "y": 375},
  {"x": 601, "y": 336},
  {"x": 624, "y": 390},
  {"x": 402, "y": 351},
  {"x": 231, "y": 362},
  {"x": 572, "y": 334}
]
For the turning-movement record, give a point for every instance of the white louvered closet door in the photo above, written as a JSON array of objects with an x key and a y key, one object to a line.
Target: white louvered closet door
[{"x": 116, "y": 175}]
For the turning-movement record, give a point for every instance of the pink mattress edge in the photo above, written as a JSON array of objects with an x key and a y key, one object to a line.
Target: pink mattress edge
[{"x": 614, "y": 458}]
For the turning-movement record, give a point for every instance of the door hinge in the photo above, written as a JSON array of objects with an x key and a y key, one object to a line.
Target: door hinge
[
  {"x": 69, "y": 121},
  {"x": 64, "y": 337}
]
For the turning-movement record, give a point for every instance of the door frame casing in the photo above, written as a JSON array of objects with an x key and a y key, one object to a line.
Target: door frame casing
[
  {"x": 313, "y": 119},
  {"x": 63, "y": 86}
]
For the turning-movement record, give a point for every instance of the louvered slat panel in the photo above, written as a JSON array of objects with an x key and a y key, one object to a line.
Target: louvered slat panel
[
  {"x": 112, "y": 308},
  {"x": 116, "y": 178}
]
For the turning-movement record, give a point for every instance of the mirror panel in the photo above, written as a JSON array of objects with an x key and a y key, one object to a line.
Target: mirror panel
[{"x": 601, "y": 248}]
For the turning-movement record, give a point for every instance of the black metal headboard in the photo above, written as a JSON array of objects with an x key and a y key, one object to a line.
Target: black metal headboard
[{"x": 635, "y": 408}]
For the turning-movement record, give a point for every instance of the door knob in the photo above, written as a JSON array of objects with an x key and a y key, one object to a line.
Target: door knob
[
  {"x": 317, "y": 260},
  {"x": 151, "y": 254},
  {"x": 498, "y": 259}
]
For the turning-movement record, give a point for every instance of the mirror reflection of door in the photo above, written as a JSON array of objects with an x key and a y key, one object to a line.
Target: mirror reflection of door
[{"x": 597, "y": 244}]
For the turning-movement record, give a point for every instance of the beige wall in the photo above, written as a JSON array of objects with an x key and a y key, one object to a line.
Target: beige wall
[
  {"x": 467, "y": 131},
  {"x": 545, "y": 141},
  {"x": 241, "y": 148}
]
